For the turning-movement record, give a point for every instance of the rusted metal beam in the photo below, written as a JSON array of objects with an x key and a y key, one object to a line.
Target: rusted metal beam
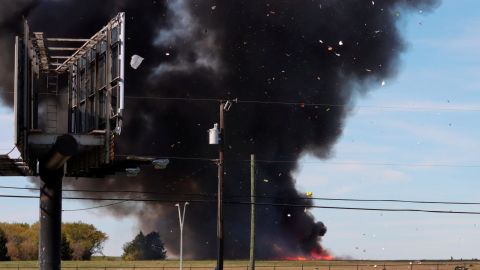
[
  {"x": 90, "y": 43},
  {"x": 68, "y": 39},
  {"x": 62, "y": 49},
  {"x": 40, "y": 43},
  {"x": 82, "y": 139}
]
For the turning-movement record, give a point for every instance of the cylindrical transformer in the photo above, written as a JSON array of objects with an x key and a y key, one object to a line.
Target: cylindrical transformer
[{"x": 214, "y": 135}]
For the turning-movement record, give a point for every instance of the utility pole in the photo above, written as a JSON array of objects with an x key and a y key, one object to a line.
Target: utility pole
[
  {"x": 220, "y": 188},
  {"x": 252, "y": 212}
]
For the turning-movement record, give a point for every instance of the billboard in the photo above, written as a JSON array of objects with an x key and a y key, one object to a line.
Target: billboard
[{"x": 74, "y": 86}]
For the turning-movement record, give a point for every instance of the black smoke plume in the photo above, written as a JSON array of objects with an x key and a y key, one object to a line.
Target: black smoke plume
[{"x": 311, "y": 51}]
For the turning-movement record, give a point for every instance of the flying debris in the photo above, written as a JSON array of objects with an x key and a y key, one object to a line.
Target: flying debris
[
  {"x": 136, "y": 61},
  {"x": 131, "y": 172},
  {"x": 215, "y": 58},
  {"x": 160, "y": 164}
]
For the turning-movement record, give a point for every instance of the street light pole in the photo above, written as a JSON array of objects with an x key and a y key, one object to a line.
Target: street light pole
[{"x": 181, "y": 219}]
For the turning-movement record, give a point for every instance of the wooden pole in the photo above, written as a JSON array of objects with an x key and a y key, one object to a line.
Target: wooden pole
[
  {"x": 252, "y": 212},
  {"x": 220, "y": 190}
]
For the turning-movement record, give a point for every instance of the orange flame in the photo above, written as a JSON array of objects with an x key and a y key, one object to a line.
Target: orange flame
[{"x": 314, "y": 255}]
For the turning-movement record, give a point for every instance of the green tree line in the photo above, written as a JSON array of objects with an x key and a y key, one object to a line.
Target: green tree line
[{"x": 19, "y": 241}]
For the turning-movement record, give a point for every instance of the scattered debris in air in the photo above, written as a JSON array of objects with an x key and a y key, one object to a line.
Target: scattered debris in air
[
  {"x": 136, "y": 61},
  {"x": 213, "y": 7},
  {"x": 132, "y": 172},
  {"x": 340, "y": 43},
  {"x": 167, "y": 54}
]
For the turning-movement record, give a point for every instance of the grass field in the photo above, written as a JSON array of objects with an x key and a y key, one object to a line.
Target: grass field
[{"x": 114, "y": 263}]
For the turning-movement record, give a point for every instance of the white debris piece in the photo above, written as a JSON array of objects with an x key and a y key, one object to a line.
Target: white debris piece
[
  {"x": 373, "y": 3},
  {"x": 289, "y": 215},
  {"x": 167, "y": 54},
  {"x": 213, "y": 7},
  {"x": 340, "y": 43},
  {"x": 383, "y": 83},
  {"x": 136, "y": 61}
]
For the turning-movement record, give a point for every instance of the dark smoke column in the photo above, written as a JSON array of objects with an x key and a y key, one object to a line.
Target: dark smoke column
[{"x": 321, "y": 51}]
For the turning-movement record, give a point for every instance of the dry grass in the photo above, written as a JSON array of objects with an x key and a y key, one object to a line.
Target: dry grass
[{"x": 114, "y": 263}]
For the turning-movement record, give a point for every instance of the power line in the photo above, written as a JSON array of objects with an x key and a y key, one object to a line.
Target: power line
[
  {"x": 256, "y": 203},
  {"x": 8, "y": 153},
  {"x": 307, "y": 104},
  {"x": 258, "y": 196},
  {"x": 94, "y": 207},
  {"x": 326, "y": 163},
  {"x": 295, "y": 103},
  {"x": 337, "y": 163}
]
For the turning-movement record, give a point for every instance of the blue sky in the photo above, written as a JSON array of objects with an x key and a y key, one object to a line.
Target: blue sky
[{"x": 438, "y": 73}]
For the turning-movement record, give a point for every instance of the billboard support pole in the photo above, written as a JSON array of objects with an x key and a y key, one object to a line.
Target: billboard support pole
[
  {"x": 50, "y": 220},
  {"x": 51, "y": 175}
]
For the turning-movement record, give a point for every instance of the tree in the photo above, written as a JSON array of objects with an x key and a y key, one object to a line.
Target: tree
[
  {"x": 3, "y": 247},
  {"x": 66, "y": 250},
  {"x": 85, "y": 240},
  {"x": 79, "y": 241},
  {"x": 22, "y": 240},
  {"x": 145, "y": 247}
]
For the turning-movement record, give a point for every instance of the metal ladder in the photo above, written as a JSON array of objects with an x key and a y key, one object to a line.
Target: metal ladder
[{"x": 52, "y": 88}]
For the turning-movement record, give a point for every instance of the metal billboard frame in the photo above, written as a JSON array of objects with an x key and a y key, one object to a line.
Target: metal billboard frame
[{"x": 46, "y": 79}]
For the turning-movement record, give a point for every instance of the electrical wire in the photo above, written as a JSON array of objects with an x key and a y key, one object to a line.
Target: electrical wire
[
  {"x": 119, "y": 200},
  {"x": 257, "y": 196},
  {"x": 8, "y": 153},
  {"x": 94, "y": 207},
  {"x": 292, "y": 103},
  {"x": 336, "y": 163}
]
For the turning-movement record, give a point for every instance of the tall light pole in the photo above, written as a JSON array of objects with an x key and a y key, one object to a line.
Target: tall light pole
[{"x": 181, "y": 219}]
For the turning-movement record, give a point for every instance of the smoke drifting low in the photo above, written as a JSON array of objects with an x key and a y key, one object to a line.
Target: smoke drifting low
[{"x": 320, "y": 51}]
